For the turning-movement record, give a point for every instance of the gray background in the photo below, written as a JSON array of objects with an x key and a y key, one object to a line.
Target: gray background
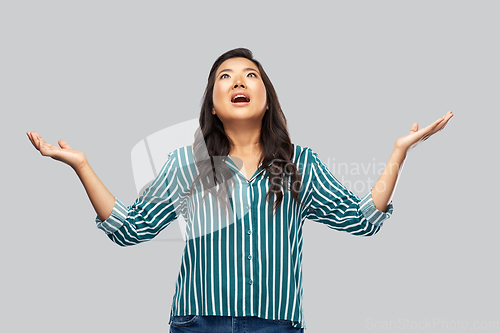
[{"x": 351, "y": 76}]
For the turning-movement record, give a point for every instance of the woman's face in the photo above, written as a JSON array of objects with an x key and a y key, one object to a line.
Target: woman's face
[{"x": 239, "y": 92}]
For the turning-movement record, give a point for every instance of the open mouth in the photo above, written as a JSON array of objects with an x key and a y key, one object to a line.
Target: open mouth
[{"x": 240, "y": 99}]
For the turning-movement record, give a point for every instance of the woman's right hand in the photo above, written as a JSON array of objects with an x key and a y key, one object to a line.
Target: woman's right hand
[{"x": 65, "y": 153}]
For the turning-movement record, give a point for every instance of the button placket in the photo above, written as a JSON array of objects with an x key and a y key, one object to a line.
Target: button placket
[{"x": 248, "y": 206}]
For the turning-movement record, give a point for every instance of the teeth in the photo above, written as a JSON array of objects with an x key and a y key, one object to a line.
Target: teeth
[{"x": 240, "y": 95}]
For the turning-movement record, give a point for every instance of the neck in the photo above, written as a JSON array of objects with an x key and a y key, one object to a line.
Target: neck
[{"x": 244, "y": 141}]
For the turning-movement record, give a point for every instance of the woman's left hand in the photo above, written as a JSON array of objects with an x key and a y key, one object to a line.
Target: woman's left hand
[{"x": 416, "y": 136}]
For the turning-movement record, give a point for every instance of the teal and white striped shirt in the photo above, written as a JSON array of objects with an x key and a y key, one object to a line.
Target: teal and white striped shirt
[{"x": 251, "y": 266}]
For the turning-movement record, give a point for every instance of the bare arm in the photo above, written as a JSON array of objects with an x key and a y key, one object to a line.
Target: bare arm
[
  {"x": 383, "y": 190},
  {"x": 100, "y": 197},
  {"x": 102, "y": 200}
]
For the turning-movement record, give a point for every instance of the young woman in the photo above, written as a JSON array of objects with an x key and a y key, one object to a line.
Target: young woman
[{"x": 244, "y": 190}]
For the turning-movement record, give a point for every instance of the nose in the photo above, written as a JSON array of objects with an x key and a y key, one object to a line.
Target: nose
[{"x": 238, "y": 83}]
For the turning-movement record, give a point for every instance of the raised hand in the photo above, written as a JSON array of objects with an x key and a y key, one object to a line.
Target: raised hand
[
  {"x": 416, "y": 136},
  {"x": 64, "y": 153}
]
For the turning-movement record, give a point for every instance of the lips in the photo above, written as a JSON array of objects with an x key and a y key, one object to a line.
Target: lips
[{"x": 240, "y": 98}]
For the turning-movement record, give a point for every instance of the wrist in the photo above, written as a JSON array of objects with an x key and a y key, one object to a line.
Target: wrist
[
  {"x": 81, "y": 166},
  {"x": 400, "y": 152}
]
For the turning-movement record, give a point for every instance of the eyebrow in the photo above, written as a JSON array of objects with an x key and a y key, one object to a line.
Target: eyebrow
[{"x": 230, "y": 70}]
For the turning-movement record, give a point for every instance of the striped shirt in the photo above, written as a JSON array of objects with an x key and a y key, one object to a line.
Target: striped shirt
[{"x": 249, "y": 264}]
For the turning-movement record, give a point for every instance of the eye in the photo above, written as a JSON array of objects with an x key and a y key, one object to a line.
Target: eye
[
  {"x": 255, "y": 75},
  {"x": 222, "y": 76}
]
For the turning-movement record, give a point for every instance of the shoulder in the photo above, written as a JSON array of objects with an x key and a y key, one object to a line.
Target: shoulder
[
  {"x": 303, "y": 155},
  {"x": 182, "y": 155},
  {"x": 306, "y": 161}
]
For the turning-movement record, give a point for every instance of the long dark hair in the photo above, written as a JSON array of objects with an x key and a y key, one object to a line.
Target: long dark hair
[{"x": 274, "y": 139}]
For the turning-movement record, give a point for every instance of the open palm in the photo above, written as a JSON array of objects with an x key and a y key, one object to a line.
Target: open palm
[
  {"x": 64, "y": 153},
  {"x": 416, "y": 136}
]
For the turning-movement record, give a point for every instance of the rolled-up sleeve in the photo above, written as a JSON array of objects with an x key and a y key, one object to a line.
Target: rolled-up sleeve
[
  {"x": 333, "y": 204},
  {"x": 152, "y": 212}
]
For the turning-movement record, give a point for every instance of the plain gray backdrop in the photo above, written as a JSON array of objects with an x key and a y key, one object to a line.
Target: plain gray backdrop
[{"x": 351, "y": 76}]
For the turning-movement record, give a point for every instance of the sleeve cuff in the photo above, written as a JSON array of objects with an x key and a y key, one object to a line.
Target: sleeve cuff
[
  {"x": 371, "y": 213},
  {"x": 116, "y": 220}
]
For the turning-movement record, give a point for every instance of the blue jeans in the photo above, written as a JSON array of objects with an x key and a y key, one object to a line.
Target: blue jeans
[{"x": 225, "y": 324}]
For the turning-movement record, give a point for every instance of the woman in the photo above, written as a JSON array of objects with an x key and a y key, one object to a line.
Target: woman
[{"x": 244, "y": 190}]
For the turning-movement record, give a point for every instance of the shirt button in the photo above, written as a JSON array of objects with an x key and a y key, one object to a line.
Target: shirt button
[
  {"x": 249, "y": 232},
  {"x": 249, "y": 257},
  {"x": 246, "y": 207},
  {"x": 250, "y": 282}
]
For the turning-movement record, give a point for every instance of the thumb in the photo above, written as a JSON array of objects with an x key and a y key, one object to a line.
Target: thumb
[
  {"x": 414, "y": 128},
  {"x": 63, "y": 144}
]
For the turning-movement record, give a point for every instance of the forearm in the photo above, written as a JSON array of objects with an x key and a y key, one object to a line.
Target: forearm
[
  {"x": 383, "y": 189},
  {"x": 102, "y": 200}
]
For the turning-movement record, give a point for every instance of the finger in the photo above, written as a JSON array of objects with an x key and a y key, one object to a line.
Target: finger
[
  {"x": 45, "y": 148},
  {"x": 433, "y": 125},
  {"x": 30, "y": 136},
  {"x": 443, "y": 123},
  {"x": 414, "y": 128},
  {"x": 425, "y": 132},
  {"x": 63, "y": 144},
  {"x": 435, "y": 130},
  {"x": 36, "y": 140},
  {"x": 443, "y": 127},
  {"x": 448, "y": 116},
  {"x": 40, "y": 140}
]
